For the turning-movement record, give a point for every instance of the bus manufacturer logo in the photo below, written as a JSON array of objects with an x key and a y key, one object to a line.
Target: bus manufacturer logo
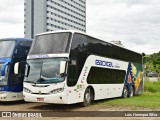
[
  {"x": 39, "y": 56},
  {"x": 103, "y": 63},
  {"x": 40, "y": 92}
]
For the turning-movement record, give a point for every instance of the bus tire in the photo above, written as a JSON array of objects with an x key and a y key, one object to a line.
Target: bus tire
[
  {"x": 87, "y": 98},
  {"x": 125, "y": 92},
  {"x": 131, "y": 94}
]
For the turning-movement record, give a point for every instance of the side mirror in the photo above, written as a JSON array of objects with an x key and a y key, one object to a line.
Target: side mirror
[
  {"x": 62, "y": 67},
  {"x": 27, "y": 70},
  {"x": 16, "y": 68},
  {"x": 19, "y": 69}
]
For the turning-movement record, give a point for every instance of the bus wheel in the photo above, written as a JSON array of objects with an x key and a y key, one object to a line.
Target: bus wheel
[
  {"x": 87, "y": 98},
  {"x": 131, "y": 92},
  {"x": 125, "y": 92}
]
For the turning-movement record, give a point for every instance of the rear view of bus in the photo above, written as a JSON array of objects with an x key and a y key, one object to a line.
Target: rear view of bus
[{"x": 12, "y": 50}]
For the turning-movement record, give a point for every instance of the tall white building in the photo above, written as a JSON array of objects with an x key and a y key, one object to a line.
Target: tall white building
[{"x": 49, "y": 15}]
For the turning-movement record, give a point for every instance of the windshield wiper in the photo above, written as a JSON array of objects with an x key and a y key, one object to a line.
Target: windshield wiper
[
  {"x": 29, "y": 81},
  {"x": 41, "y": 80},
  {"x": 48, "y": 80}
]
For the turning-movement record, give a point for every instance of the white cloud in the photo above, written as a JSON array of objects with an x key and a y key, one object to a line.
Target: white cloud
[
  {"x": 135, "y": 22},
  {"x": 11, "y": 18},
  {"x": 11, "y": 30}
]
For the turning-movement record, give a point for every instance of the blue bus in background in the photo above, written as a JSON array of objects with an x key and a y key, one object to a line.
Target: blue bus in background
[{"x": 12, "y": 50}]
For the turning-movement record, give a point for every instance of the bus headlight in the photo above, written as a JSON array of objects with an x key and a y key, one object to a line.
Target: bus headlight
[
  {"x": 27, "y": 90},
  {"x": 55, "y": 91},
  {"x": 1, "y": 78},
  {"x": 3, "y": 92}
]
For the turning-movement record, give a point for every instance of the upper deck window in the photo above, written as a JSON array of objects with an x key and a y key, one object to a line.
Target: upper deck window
[
  {"x": 52, "y": 43},
  {"x": 7, "y": 48}
]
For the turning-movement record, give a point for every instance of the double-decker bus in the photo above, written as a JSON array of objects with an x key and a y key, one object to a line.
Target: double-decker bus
[
  {"x": 68, "y": 67},
  {"x": 12, "y": 50}
]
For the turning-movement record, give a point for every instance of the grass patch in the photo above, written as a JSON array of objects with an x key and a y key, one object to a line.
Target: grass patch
[
  {"x": 146, "y": 100},
  {"x": 149, "y": 99},
  {"x": 152, "y": 87}
]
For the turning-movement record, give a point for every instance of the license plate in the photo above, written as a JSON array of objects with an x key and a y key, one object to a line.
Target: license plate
[{"x": 40, "y": 99}]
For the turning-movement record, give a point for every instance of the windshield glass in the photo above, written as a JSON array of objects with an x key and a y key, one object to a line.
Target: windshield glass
[
  {"x": 44, "y": 71},
  {"x": 51, "y": 43},
  {"x": 35, "y": 70},
  {"x": 6, "y": 48},
  {"x": 3, "y": 81}
]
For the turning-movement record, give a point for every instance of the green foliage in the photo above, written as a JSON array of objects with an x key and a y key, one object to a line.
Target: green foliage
[{"x": 152, "y": 62}]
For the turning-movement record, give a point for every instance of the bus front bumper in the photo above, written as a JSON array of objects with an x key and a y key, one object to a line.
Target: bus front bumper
[
  {"x": 10, "y": 96},
  {"x": 59, "y": 98}
]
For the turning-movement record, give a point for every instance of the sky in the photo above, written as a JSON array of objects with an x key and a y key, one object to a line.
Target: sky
[{"x": 136, "y": 23}]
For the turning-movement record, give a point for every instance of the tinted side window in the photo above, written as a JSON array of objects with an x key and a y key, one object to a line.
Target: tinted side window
[
  {"x": 83, "y": 43},
  {"x": 72, "y": 75},
  {"x": 79, "y": 43},
  {"x": 105, "y": 76},
  {"x": 23, "y": 48}
]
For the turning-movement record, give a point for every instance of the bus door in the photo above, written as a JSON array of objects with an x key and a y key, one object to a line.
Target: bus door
[{"x": 19, "y": 55}]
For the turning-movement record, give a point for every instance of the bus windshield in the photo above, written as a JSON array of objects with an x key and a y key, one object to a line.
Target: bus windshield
[
  {"x": 44, "y": 71},
  {"x": 7, "y": 48},
  {"x": 51, "y": 44},
  {"x": 3, "y": 80}
]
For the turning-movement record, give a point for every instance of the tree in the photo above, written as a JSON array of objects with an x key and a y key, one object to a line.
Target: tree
[{"x": 152, "y": 62}]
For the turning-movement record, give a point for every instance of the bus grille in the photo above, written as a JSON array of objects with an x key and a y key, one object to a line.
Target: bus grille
[{"x": 40, "y": 93}]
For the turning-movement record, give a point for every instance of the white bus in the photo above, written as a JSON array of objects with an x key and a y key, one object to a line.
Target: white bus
[{"x": 67, "y": 67}]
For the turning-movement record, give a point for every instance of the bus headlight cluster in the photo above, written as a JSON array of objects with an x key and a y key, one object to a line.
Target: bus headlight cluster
[
  {"x": 3, "y": 92},
  {"x": 59, "y": 90},
  {"x": 27, "y": 90},
  {"x": 1, "y": 78}
]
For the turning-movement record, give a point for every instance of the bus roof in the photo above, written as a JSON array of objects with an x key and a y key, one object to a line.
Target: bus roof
[
  {"x": 60, "y": 31},
  {"x": 17, "y": 39},
  {"x": 75, "y": 31}
]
